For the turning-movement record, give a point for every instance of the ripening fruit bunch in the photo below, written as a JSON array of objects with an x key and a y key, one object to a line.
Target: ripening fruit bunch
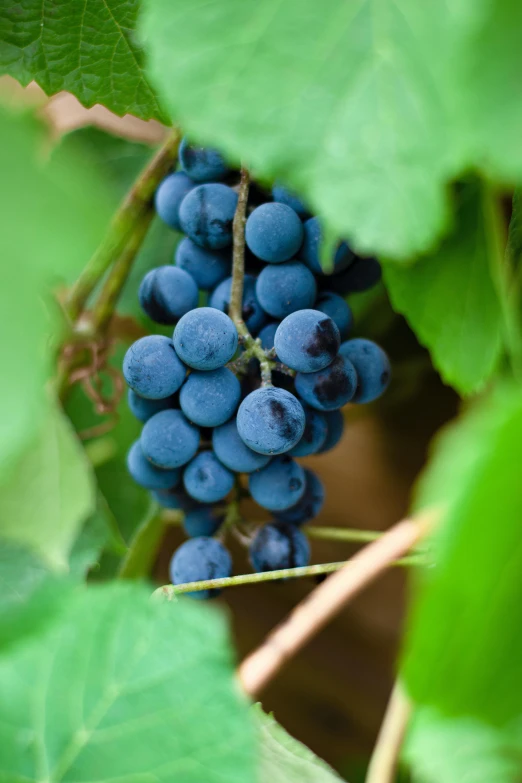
[{"x": 208, "y": 416}]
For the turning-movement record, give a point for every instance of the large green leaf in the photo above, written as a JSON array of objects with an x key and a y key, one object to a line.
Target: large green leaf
[
  {"x": 49, "y": 493},
  {"x": 50, "y": 219},
  {"x": 285, "y": 760},
  {"x": 463, "y": 655},
  {"x": 342, "y": 102},
  {"x": 86, "y": 48},
  {"x": 449, "y": 750},
  {"x": 122, "y": 688},
  {"x": 367, "y": 108},
  {"x": 30, "y": 595},
  {"x": 450, "y": 297}
]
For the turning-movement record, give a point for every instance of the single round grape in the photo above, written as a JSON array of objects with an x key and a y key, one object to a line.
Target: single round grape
[
  {"x": 270, "y": 420},
  {"x": 147, "y": 475},
  {"x": 363, "y": 274},
  {"x": 285, "y": 288},
  {"x": 371, "y": 365},
  {"x": 207, "y": 267},
  {"x": 336, "y": 308},
  {"x": 233, "y": 452},
  {"x": 175, "y": 499},
  {"x": 311, "y": 249},
  {"x": 202, "y": 164},
  {"x": 210, "y": 398},
  {"x": 206, "y": 479},
  {"x": 284, "y": 196},
  {"x": 253, "y": 314},
  {"x": 152, "y": 367},
  {"x": 201, "y": 521},
  {"x": 197, "y": 560},
  {"x": 328, "y": 389},
  {"x": 166, "y": 293},
  {"x": 307, "y": 341},
  {"x": 205, "y": 338},
  {"x": 309, "y": 505},
  {"x": 274, "y": 232},
  {"x": 314, "y": 434},
  {"x": 278, "y": 545},
  {"x": 335, "y": 424},
  {"x": 143, "y": 409},
  {"x": 168, "y": 440},
  {"x": 206, "y": 215},
  {"x": 267, "y": 334},
  {"x": 278, "y": 486},
  {"x": 169, "y": 195}
]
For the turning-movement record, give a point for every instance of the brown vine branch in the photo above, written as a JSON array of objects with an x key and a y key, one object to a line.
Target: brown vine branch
[
  {"x": 327, "y": 600},
  {"x": 383, "y": 762}
]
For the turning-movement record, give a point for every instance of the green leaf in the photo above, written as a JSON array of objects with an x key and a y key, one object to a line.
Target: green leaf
[
  {"x": 450, "y": 297},
  {"x": 344, "y": 105},
  {"x": 50, "y": 216},
  {"x": 285, "y": 760},
  {"x": 86, "y": 48},
  {"x": 50, "y": 492},
  {"x": 30, "y": 595},
  {"x": 367, "y": 109},
  {"x": 125, "y": 688},
  {"x": 441, "y": 748},
  {"x": 463, "y": 655}
]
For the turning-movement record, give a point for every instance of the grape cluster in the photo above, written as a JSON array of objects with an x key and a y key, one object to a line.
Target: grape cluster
[{"x": 207, "y": 415}]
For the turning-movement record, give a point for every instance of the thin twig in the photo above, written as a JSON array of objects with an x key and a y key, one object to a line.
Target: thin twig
[
  {"x": 327, "y": 600},
  {"x": 343, "y": 534},
  {"x": 169, "y": 591},
  {"x": 383, "y": 762},
  {"x": 136, "y": 203}
]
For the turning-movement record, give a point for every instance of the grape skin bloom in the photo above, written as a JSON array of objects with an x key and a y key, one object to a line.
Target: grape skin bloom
[
  {"x": 152, "y": 368},
  {"x": 205, "y": 339},
  {"x": 278, "y": 486},
  {"x": 274, "y": 232},
  {"x": 307, "y": 341},
  {"x": 271, "y": 420}
]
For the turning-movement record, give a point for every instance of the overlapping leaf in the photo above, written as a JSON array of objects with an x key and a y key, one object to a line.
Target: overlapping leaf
[{"x": 88, "y": 48}]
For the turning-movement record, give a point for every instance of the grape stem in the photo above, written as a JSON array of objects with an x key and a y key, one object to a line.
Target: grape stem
[
  {"x": 253, "y": 348},
  {"x": 135, "y": 211},
  {"x": 170, "y": 591}
]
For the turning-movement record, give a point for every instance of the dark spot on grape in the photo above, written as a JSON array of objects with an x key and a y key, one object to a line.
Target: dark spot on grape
[
  {"x": 201, "y": 475},
  {"x": 295, "y": 484},
  {"x": 324, "y": 339},
  {"x": 284, "y": 422},
  {"x": 333, "y": 383},
  {"x": 385, "y": 377},
  {"x": 190, "y": 154}
]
